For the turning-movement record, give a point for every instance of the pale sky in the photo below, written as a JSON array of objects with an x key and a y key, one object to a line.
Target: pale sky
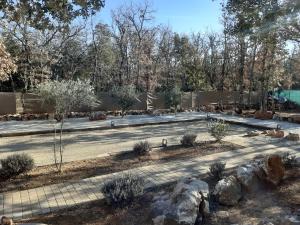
[{"x": 183, "y": 16}]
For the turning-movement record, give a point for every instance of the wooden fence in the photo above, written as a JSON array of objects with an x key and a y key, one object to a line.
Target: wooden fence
[{"x": 11, "y": 103}]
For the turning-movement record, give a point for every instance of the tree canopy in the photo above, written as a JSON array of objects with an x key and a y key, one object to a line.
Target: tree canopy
[{"x": 46, "y": 14}]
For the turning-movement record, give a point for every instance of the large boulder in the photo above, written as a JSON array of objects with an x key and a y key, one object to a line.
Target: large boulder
[
  {"x": 248, "y": 175},
  {"x": 228, "y": 191},
  {"x": 274, "y": 168},
  {"x": 187, "y": 203}
]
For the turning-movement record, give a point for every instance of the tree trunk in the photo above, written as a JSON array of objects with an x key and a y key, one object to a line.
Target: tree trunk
[
  {"x": 60, "y": 143},
  {"x": 54, "y": 147},
  {"x": 263, "y": 80},
  {"x": 241, "y": 69},
  {"x": 251, "y": 72}
]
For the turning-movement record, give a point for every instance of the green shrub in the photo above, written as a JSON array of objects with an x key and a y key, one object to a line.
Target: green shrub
[
  {"x": 216, "y": 170},
  {"x": 218, "y": 130},
  {"x": 142, "y": 148},
  {"x": 126, "y": 97},
  {"x": 16, "y": 164},
  {"x": 123, "y": 190},
  {"x": 173, "y": 98},
  {"x": 188, "y": 140},
  {"x": 289, "y": 160}
]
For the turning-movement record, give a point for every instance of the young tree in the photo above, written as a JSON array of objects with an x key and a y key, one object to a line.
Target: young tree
[
  {"x": 66, "y": 96},
  {"x": 126, "y": 97}
]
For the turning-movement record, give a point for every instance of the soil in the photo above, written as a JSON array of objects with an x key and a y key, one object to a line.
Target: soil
[
  {"x": 77, "y": 170},
  {"x": 250, "y": 210}
]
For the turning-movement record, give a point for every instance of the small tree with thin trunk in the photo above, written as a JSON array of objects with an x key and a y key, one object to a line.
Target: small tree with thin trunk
[
  {"x": 126, "y": 97},
  {"x": 65, "y": 96}
]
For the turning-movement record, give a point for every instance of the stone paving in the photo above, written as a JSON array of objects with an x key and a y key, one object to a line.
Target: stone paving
[
  {"x": 11, "y": 128},
  {"x": 27, "y": 203},
  {"x": 17, "y": 128},
  {"x": 101, "y": 143},
  {"x": 270, "y": 124}
]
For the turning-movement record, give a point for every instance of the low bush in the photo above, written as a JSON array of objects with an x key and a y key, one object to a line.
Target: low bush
[
  {"x": 188, "y": 140},
  {"x": 16, "y": 164},
  {"x": 142, "y": 148},
  {"x": 216, "y": 170},
  {"x": 289, "y": 160},
  {"x": 218, "y": 130},
  {"x": 123, "y": 190}
]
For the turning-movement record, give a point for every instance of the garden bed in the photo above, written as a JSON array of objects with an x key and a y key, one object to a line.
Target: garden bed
[
  {"x": 250, "y": 210},
  {"x": 77, "y": 170}
]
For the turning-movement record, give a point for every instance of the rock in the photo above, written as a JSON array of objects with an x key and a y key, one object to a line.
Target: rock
[
  {"x": 276, "y": 133},
  {"x": 228, "y": 191},
  {"x": 222, "y": 214},
  {"x": 6, "y": 221},
  {"x": 248, "y": 177},
  {"x": 32, "y": 224},
  {"x": 97, "y": 116},
  {"x": 156, "y": 112},
  {"x": 265, "y": 222},
  {"x": 252, "y": 133},
  {"x": 281, "y": 220},
  {"x": 271, "y": 133},
  {"x": 291, "y": 220},
  {"x": 187, "y": 202},
  {"x": 279, "y": 134},
  {"x": 293, "y": 137},
  {"x": 296, "y": 118},
  {"x": 274, "y": 168},
  {"x": 263, "y": 115}
]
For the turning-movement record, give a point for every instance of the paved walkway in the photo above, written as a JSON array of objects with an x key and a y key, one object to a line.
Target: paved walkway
[
  {"x": 271, "y": 124},
  {"x": 14, "y": 128},
  {"x": 99, "y": 143},
  {"x": 25, "y": 204},
  {"x": 17, "y": 128}
]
